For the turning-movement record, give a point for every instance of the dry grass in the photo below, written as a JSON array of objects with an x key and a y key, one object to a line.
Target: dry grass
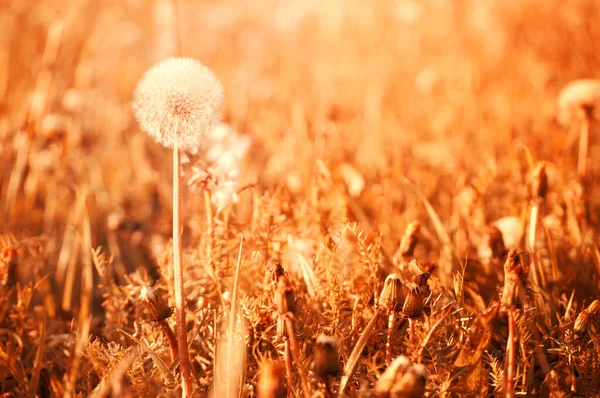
[{"x": 362, "y": 118}]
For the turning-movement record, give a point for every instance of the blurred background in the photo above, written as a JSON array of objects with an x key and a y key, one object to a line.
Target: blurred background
[{"x": 455, "y": 96}]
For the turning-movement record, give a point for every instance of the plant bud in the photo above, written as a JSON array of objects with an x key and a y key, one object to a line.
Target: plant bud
[
  {"x": 391, "y": 294},
  {"x": 327, "y": 360},
  {"x": 156, "y": 307},
  {"x": 271, "y": 380},
  {"x": 586, "y": 316}
]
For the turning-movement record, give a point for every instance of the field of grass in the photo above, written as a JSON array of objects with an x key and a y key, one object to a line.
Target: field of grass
[{"x": 393, "y": 183}]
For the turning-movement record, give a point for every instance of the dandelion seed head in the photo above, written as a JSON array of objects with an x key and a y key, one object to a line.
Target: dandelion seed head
[
  {"x": 177, "y": 102},
  {"x": 583, "y": 93}
]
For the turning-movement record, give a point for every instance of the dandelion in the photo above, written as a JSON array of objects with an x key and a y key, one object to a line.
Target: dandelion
[
  {"x": 177, "y": 102},
  {"x": 225, "y": 151},
  {"x": 577, "y": 100}
]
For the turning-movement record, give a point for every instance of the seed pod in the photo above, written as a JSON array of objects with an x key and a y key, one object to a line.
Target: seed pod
[
  {"x": 586, "y": 316},
  {"x": 326, "y": 356},
  {"x": 418, "y": 290},
  {"x": 156, "y": 307},
  {"x": 271, "y": 380},
  {"x": 539, "y": 187},
  {"x": 410, "y": 239},
  {"x": 413, "y": 305},
  {"x": 391, "y": 294},
  {"x": 496, "y": 242}
]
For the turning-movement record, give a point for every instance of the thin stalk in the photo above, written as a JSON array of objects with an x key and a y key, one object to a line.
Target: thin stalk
[
  {"x": 390, "y": 335},
  {"x": 170, "y": 338},
  {"x": 209, "y": 225},
  {"x": 510, "y": 357},
  {"x": 296, "y": 353},
  {"x": 184, "y": 357},
  {"x": 533, "y": 217},
  {"x": 583, "y": 145},
  {"x": 289, "y": 371}
]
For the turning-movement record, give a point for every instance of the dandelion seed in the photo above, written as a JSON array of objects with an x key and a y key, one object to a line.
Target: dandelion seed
[{"x": 177, "y": 102}]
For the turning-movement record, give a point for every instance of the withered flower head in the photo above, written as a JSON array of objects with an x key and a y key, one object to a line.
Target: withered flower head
[
  {"x": 496, "y": 242},
  {"x": 418, "y": 290},
  {"x": 177, "y": 102},
  {"x": 513, "y": 273},
  {"x": 392, "y": 375},
  {"x": 402, "y": 379},
  {"x": 156, "y": 307},
  {"x": 539, "y": 186},
  {"x": 586, "y": 316},
  {"x": 274, "y": 271},
  {"x": 326, "y": 356},
  {"x": 271, "y": 380},
  {"x": 391, "y": 294},
  {"x": 410, "y": 239}
]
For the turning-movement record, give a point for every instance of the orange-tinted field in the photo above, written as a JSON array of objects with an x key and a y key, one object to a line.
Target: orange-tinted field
[{"x": 419, "y": 139}]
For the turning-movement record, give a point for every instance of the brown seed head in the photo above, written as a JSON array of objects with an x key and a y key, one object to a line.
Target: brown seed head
[
  {"x": 326, "y": 356},
  {"x": 391, "y": 294},
  {"x": 156, "y": 307},
  {"x": 410, "y": 239},
  {"x": 271, "y": 380},
  {"x": 177, "y": 102},
  {"x": 586, "y": 316}
]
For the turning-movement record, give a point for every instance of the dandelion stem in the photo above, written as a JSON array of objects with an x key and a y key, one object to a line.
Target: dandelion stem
[
  {"x": 296, "y": 353},
  {"x": 186, "y": 380},
  {"x": 171, "y": 338},
  {"x": 510, "y": 359},
  {"x": 583, "y": 145},
  {"x": 390, "y": 335},
  {"x": 209, "y": 225}
]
